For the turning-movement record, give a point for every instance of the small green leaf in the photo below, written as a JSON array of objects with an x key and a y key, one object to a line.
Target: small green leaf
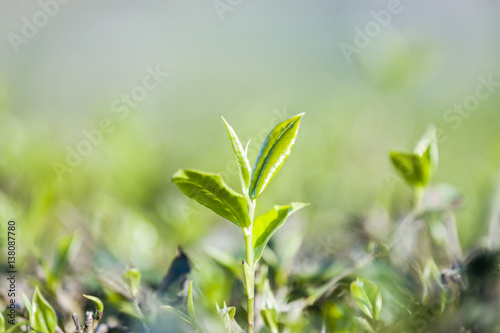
[
  {"x": 99, "y": 306},
  {"x": 132, "y": 279},
  {"x": 65, "y": 249},
  {"x": 367, "y": 296},
  {"x": 177, "y": 313},
  {"x": 43, "y": 318},
  {"x": 27, "y": 304},
  {"x": 266, "y": 225},
  {"x": 270, "y": 313},
  {"x": 240, "y": 156},
  {"x": 227, "y": 315},
  {"x": 231, "y": 312},
  {"x": 17, "y": 327},
  {"x": 209, "y": 190},
  {"x": 270, "y": 318},
  {"x": 428, "y": 144},
  {"x": 413, "y": 168},
  {"x": 190, "y": 303},
  {"x": 417, "y": 167},
  {"x": 273, "y": 152},
  {"x": 248, "y": 279}
]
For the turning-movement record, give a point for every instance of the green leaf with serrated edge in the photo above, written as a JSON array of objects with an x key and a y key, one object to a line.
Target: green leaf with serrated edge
[
  {"x": 266, "y": 225},
  {"x": 367, "y": 296},
  {"x": 190, "y": 303},
  {"x": 209, "y": 190},
  {"x": 240, "y": 156},
  {"x": 2, "y": 323},
  {"x": 132, "y": 279},
  {"x": 273, "y": 152},
  {"x": 99, "y": 306},
  {"x": 43, "y": 316},
  {"x": 178, "y": 313},
  {"x": 248, "y": 279}
]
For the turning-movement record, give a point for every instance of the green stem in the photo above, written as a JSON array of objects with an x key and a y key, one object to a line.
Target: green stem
[
  {"x": 250, "y": 260},
  {"x": 418, "y": 195}
]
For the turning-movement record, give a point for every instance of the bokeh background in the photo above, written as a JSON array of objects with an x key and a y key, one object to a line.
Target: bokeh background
[{"x": 255, "y": 63}]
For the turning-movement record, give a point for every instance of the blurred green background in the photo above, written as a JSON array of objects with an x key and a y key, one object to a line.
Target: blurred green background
[{"x": 256, "y": 64}]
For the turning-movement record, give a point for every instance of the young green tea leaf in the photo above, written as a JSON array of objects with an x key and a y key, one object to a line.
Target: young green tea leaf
[
  {"x": 367, "y": 296},
  {"x": 273, "y": 152},
  {"x": 240, "y": 156},
  {"x": 227, "y": 316},
  {"x": 190, "y": 303},
  {"x": 417, "y": 167},
  {"x": 413, "y": 168},
  {"x": 43, "y": 316},
  {"x": 209, "y": 190},
  {"x": 99, "y": 306},
  {"x": 266, "y": 225},
  {"x": 132, "y": 279}
]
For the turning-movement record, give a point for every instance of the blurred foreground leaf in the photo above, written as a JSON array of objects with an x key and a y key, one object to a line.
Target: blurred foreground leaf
[
  {"x": 367, "y": 296},
  {"x": 43, "y": 316}
]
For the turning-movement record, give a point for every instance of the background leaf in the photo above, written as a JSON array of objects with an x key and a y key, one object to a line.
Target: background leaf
[
  {"x": 43, "y": 316},
  {"x": 190, "y": 303},
  {"x": 428, "y": 144},
  {"x": 273, "y": 152},
  {"x": 209, "y": 190},
  {"x": 240, "y": 156},
  {"x": 266, "y": 225},
  {"x": 2, "y": 323},
  {"x": 178, "y": 313},
  {"x": 227, "y": 315},
  {"x": 417, "y": 167},
  {"x": 413, "y": 168},
  {"x": 367, "y": 296},
  {"x": 132, "y": 278},
  {"x": 270, "y": 312}
]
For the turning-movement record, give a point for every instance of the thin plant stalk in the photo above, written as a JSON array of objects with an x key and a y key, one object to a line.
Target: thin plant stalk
[{"x": 250, "y": 260}]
